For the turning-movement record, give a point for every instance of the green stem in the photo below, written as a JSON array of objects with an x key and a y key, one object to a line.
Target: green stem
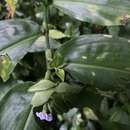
[
  {"x": 46, "y": 27},
  {"x": 48, "y": 52}
]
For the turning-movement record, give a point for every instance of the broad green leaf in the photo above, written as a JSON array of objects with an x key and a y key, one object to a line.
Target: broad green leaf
[
  {"x": 16, "y": 38},
  {"x": 100, "y": 60},
  {"x": 103, "y": 12},
  {"x": 41, "y": 97},
  {"x": 55, "y": 34},
  {"x": 42, "y": 86},
  {"x": 15, "y": 109},
  {"x": 5, "y": 87}
]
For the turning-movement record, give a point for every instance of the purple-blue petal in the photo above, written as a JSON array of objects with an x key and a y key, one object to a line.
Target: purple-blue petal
[
  {"x": 49, "y": 117},
  {"x": 44, "y": 116}
]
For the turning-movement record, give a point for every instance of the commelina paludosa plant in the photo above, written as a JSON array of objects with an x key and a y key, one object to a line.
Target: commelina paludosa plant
[{"x": 65, "y": 65}]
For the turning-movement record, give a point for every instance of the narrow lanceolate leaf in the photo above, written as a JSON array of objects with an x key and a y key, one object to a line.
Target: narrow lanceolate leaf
[
  {"x": 16, "y": 38},
  {"x": 94, "y": 57},
  {"x": 103, "y": 12},
  {"x": 15, "y": 110}
]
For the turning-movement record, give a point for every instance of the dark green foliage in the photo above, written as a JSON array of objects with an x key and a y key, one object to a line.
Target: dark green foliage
[{"x": 80, "y": 73}]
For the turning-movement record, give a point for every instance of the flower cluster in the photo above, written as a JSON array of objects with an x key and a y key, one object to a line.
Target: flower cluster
[{"x": 44, "y": 116}]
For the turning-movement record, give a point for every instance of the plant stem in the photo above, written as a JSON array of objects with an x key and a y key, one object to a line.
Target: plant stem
[
  {"x": 48, "y": 52},
  {"x": 46, "y": 27}
]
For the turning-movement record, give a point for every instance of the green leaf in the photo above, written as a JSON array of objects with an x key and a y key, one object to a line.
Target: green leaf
[
  {"x": 16, "y": 37},
  {"x": 55, "y": 34},
  {"x": 5, "y": 87},
  {"x": 68, "y": 88},
  {"x": 100, "y": 60},
  {"x": 89, "y": 113},
  {"x": 42, "y": 86},
  {"x": 120, "y": 116},
  {"x": 5, "y": 67},
  {"x": 61, "y": 74},
  {"x": 40, "y": 44},
  {"x": 41, "y": 97},
  {"x": 102, "y": 12},
  {"x": 104, "y": 108},
  {"x": 15, "y": 108},
  {"x": 63, "y": 101},
  {"x": 107, "y": 125}
]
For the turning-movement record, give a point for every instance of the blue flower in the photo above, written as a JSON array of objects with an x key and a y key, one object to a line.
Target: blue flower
[{"x": 44, "y": 116}]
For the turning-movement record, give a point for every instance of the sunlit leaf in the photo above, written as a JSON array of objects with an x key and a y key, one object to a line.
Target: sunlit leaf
[
  {"x": 5, "y": 66},
  {"x": 55, "y": 34},
  {"x": 89, "y": 113},
  {"x": 61, "y": 74},
  {"x": 101, "y": 61},
  {"x": 42, "y": 85},
  {"x": 102, "y": 12}
]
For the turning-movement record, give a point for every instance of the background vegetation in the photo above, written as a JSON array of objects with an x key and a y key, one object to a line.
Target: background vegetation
[{"x": 64, "y": 65}]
